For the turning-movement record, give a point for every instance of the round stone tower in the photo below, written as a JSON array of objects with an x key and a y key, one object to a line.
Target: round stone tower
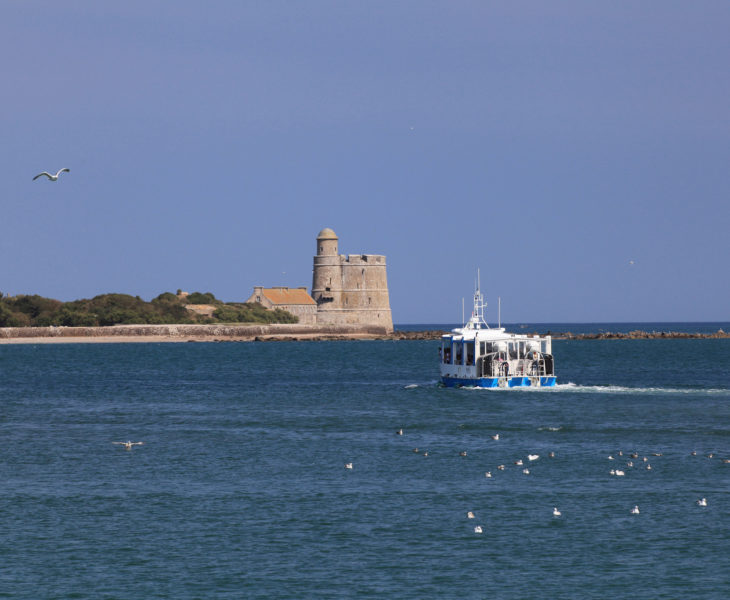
[{"x": 349, "y": 290}]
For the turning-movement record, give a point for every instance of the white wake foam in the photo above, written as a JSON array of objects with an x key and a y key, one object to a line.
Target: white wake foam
[{"x": 606, "y": 389}]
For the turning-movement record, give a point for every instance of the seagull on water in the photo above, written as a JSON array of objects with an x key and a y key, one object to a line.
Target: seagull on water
[
  {"x": 556, "y": 512},
  {"x": 533, "y": 456},
  {"x": 52, "y": 177},
  {"x": 470, "y": 515},
  {"x": 348, "y": 465},
  {"x": 478, "y": 529},
  {"x": 495, "y": 436},
  {"x": 128, "y": 445},
  {"x": 488, "y": 474},
  {"x": 635, "y": 510},
  {"x": 701, "y": 502}
]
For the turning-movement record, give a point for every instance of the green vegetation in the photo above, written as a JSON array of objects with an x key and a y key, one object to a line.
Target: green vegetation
[{"x": 122, "y": 309}]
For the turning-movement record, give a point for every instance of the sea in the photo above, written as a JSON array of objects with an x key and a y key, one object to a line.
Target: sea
[{"x": 240, "y": 488}]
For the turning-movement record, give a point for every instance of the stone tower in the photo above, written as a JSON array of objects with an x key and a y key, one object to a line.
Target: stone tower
[{"x": 349, "y": 290}]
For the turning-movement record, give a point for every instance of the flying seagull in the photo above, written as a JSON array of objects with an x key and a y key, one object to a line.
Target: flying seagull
[
  {"x": 128, "y": 445},
  {"x": 52, "y": 177}
]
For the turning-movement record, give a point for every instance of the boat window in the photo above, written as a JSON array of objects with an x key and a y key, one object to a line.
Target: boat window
[
  {"x": 469, "y": 353},
  {"x": 457, "y": 352}
]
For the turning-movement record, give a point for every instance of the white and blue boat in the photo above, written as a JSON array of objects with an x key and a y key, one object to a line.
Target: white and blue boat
[{"x": 476, "y": 355}]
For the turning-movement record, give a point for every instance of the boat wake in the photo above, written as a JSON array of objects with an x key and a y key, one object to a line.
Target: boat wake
[{"x": 606, "y": 389}]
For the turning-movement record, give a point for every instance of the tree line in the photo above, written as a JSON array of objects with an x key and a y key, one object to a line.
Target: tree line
[{"x": 123, "y": 309}]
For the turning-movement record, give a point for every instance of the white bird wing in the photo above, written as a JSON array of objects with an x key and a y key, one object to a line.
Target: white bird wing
[
  {"x": 40, "y": 174},
  {"x": 137, "y": 443},
  {"x": 63, "y": 170},
  {"x": 121, "y": 443}
]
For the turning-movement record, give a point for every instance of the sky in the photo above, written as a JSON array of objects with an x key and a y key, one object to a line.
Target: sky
[{"x": 577, "y": 153}]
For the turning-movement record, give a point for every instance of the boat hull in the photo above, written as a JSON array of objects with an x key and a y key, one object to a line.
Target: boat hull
[{"x": 496, "y": 382}]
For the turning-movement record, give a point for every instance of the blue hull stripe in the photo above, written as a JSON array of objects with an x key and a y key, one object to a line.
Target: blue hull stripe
[{"x": 493, "y": 382}]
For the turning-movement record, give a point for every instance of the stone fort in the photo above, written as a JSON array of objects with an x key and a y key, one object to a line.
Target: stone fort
[{"x": 346, "y": 289}]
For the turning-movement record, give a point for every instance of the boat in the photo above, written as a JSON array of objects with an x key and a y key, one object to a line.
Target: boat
[{"x": 476, "y": 355}]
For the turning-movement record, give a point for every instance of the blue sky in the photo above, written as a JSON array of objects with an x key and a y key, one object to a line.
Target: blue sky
[{"x": 547, "y": 143}]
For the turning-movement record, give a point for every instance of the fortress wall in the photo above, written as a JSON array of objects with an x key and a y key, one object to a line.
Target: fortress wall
[{"x": 190, "y": 332}]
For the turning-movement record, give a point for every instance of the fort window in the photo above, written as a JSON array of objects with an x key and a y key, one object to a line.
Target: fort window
[
  {"x": 258, "y": 298},
  {"x": 326, "y": 289}
]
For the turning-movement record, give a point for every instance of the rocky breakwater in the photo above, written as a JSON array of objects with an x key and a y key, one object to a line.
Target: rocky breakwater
[{"x": 637, "y": 335}]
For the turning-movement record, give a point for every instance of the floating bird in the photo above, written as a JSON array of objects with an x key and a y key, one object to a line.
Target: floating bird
[
  {"x": 629, "y": 464},
  {"x": 620, "y": 473},
  {"x": 533, "y": 456},
  {"x": 620, "y": 452},
  {"x": 425, "y": 453},
  {"x": 634, "y": 455},
  {"x": 635, "y": 510},
  {"x": 526, "y": 471},
  {"x": 610, "y": 457},
  {"x": 726, "y": 460},
  {"x": 415, "y": 450},
  {"x": 128, "y": 445},
  {"x": 399, "y": 432},
  {"x": 478, "y": 529},
  {"x": 470, "y": 515},
  {"x": 710, "y": 455},
  {"x": 495, "y": 436},
  {"x": 500, "y": 467},
  {"x": 612, "y": 472},
  {"x": 645, "y": 459},
  {"x": 656, "y": 454},
  {"x": 51, "y": 177},
  {"x": 462, "y": 453},
  {"x": 348, "y": 465},
  {"x": 519, "y": 462},
  {"x": 648, "y": 467},
  {"x": 701, "y": 502},
  {"x": 556, "y": 512},
  {"x": 551, "y": 455},
  {"x": 694, "y": 453},
  {"x": 488, "y": 474}
]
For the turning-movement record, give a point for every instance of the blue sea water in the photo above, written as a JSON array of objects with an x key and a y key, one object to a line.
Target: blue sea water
[{"x": 240, "y": 490}]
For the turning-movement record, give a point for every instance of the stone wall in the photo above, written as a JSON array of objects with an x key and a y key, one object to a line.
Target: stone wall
[{"x": 193, "y": 332}]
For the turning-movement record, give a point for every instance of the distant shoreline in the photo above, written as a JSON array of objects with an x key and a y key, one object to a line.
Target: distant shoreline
[{"x": 277, "y": 332}]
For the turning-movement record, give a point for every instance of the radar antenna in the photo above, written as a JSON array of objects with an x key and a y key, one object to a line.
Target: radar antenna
[{"x": 477, "y": 316}]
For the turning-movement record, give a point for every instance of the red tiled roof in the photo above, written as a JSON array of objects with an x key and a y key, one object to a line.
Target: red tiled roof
[{"x": 288, "y": 296}]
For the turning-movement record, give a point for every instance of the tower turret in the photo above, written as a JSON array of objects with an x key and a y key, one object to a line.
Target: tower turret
[{"x": 327, "y": 243}]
